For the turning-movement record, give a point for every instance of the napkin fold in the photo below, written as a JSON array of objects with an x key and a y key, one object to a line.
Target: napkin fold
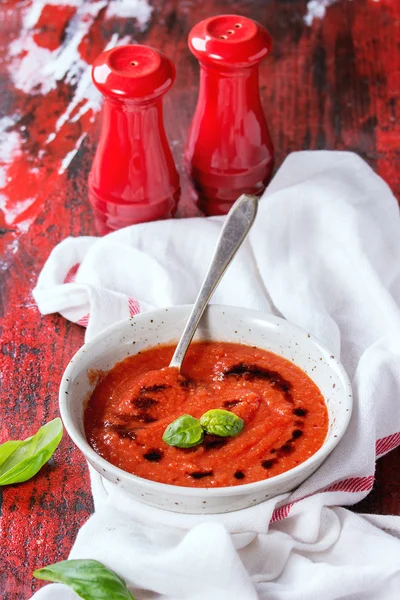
[{"x": 324, "y": 253}]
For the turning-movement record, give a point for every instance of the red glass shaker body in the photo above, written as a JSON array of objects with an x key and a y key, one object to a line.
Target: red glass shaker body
[
  {"x": 133, "y": 176},
  {"x": 229, "y": 150}
]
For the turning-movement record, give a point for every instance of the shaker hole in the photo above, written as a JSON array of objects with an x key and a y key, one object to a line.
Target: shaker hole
[
  {"x": 237, "y": 26},
  {"x": 223, "y": 37},
  {"x": 134, "y": 63},
  {"x": 230, "y": 31}
]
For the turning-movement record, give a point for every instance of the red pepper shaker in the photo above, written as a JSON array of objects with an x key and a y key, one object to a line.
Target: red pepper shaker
[
  {"x": 229, "y": 150},
  {"x": 133, "y": 177}
]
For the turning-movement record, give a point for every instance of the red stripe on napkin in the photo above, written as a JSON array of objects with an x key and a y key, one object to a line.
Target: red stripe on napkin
[
  {"x": 134, "y": 307},
  {"x": 83, "y": 321},
  {"x": 354, "y": 484},
  {"x": 386, "y": 444},
  {"x": 281, "y": 513},
  {"x": 71, "y": 275}
]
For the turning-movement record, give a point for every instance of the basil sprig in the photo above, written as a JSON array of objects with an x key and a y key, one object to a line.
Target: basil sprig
[
  {"x": 22, "y": 459},
  {"x": 184, "y": 432},
  {"x": 90, "y": 579},
  {"x": 187, "y": 431},
  {"x": 221, "y": 422}
]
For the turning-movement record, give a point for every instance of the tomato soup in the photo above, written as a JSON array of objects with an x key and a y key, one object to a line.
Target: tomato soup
[{"x": 284, "y": 413}]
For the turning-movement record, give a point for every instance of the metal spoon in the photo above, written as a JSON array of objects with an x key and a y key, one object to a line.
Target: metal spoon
[{"x": 235, "y": 229}]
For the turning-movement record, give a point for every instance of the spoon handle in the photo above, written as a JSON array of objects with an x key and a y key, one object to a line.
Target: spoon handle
[{"x": 236, "y": 227}]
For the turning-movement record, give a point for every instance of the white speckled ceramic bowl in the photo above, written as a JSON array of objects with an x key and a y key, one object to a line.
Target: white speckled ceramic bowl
[{"x": 219, "y": 323}]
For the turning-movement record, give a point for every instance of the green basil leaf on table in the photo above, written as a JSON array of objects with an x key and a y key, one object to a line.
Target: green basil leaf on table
[
  {"x": 20, "y": 460},
  {"x": 90, "y": 579},
  {"x": 184, "y": 432},
  {"x": 221, "y": 422}
]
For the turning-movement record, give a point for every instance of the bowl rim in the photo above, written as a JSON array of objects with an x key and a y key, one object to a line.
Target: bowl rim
[{"x": 212, "y": 492}]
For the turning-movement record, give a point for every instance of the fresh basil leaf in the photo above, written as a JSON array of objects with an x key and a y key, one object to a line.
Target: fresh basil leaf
[
  {"x": 221, "y": 422},
  {"x": 88, "y": 578},
  {"x": 20, "y": 460},
  {"x": 184, "y": 432}
]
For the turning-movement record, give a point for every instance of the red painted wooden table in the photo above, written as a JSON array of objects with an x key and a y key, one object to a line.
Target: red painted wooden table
[{"x": 333, "y": 84}]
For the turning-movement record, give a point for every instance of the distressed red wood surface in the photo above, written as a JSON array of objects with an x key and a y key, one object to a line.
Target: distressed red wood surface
[{"x": 333, "y": 85}]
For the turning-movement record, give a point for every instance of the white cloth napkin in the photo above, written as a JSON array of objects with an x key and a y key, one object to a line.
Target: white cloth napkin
[{"x": 324, "y": 252}]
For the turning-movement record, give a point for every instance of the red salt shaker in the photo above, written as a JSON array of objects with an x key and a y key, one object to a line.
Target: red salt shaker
[
  {"x": 229, "y": 150},
  {"x": 133, "y": 177}
]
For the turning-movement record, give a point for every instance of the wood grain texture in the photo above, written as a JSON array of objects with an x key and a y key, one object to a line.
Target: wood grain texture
[{"x": 334, "y": 85}]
